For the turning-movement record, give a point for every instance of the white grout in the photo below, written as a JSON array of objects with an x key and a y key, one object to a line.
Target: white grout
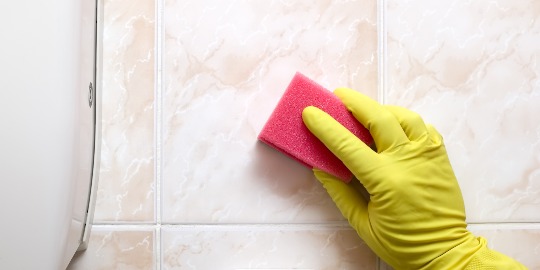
[
  {"x": 227, "y": 226},
  {"x": 381, "y": 47},
  {"x": 158, "y": 125},
  {"x": 381, "y": 73}
]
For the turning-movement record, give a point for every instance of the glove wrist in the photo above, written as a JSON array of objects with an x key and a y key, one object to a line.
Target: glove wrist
[
  {"x": 457, "y": 257},
  {"x": 473, "y": 254},
  {"x": 487, "y": 258}
]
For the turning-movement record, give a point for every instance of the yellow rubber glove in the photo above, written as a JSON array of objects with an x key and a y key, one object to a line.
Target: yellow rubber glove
[{"x": 415, "y": 215}]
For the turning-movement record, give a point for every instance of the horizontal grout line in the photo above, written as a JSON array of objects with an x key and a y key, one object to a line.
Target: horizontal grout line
[
  {"x": 292, "y": 226},
  {"x": 288, "y": 226},
  {"x": 502, "y": 222},
  {"x": 124, "y": 223},
  {"x": 505, "y": 225},
  {"x": 343, "y": 225},
  {"x": 127, "y": 227}
]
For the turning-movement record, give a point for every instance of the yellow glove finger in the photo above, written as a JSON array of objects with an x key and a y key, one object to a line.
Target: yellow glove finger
[
  {"x": 349, "y": 201},
  {"x": 411, "y": 122},
  {"x": 338, "y": 139},
  {"x": 383, "y": 126}
]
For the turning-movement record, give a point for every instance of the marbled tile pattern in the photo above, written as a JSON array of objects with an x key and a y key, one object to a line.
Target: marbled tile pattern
[
  {"x": 264, "y": 248},
  {"x": 113, "y": 248},
  {"x": 183, "y": 157},
  {"x": 225, "y": 65},
  {"x": 471, "y": 69},
  {"x": 126, "y": 187}
]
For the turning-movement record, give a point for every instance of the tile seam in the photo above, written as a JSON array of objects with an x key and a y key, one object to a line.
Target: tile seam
[
  {"x": 506, "y": 225},
  {"x": 258, "y": 227},
  {"x": 344, "y": 224},
  {"x": 158, "y": 69},
  {"x": 125, "y": 227},
  {"x": 299, "y": 226},
  {"x": 158, "y": 111},
  {"x": 513, "y": 225},
  {"x": 381, "y": 76},
  {"x": 381, "y": 54}
]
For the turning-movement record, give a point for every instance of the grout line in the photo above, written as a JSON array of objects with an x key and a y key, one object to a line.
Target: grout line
[
  {"x": 228, "y": 226},
  {"x": 505, "y": 225},
  {"x": 259, "y": 227},
  {"x": 344, "y": 224},
  {"x": 158, "y": 125},
  {"x": 127, "y": 227},
  {"x": 381, "y": 74},
  {"x": 158, "y": 110},
  {"x": 157, "y": 246},
  {"x": 381, "y": 54},
  {"x": 381, "y": 265}
]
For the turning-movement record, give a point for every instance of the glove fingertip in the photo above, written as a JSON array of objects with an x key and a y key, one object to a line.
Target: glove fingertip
[
  {"x": 324, "y": 177},
  {"x": 311, "y": 116},
  {"x": 343, "y": 92}
]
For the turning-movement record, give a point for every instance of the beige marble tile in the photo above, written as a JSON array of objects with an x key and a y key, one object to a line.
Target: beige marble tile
[
  {"x": 255, "y": 247},
  {"x": 126, "y": 186},
  {"x": 225, "y": 65},
  {"x": 117, "y": 248},
  {"x": 471, "y": 69}
]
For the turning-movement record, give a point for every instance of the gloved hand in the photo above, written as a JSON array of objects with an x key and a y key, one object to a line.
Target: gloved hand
[{"x": 415, "y": 215}]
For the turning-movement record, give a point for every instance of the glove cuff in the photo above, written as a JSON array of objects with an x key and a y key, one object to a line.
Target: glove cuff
[
  {"x": 487, "y": 258},
  {"x": 473, "y": 254}
]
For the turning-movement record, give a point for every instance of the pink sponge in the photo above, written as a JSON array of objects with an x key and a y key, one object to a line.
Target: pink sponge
[{"x": 286, "y": 131}]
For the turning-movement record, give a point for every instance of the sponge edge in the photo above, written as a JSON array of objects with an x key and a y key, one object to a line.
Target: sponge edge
[{"x": 286, "y": 132}]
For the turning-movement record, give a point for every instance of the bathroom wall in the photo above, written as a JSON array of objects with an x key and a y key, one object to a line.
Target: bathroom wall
[{"x": 188, "y": 85}]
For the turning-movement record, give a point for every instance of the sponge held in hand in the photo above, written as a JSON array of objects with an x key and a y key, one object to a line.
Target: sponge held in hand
[{"x": 286, "y": 131}]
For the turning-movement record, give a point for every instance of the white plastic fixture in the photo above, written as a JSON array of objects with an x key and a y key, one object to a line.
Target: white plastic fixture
[{"x": 49, "y": 129}]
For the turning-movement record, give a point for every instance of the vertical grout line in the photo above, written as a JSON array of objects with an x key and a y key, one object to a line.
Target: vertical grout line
[
  {"x": 158, "y": 127},
  {"x": 157, "y": 248},
  {"x": 158, "y": 108},
  {"x": 381, "y": 46},
  {"x": 381, "y": 72}
]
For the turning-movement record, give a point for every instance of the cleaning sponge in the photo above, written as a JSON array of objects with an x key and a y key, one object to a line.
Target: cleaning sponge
[{"x": 286, "y": 131}]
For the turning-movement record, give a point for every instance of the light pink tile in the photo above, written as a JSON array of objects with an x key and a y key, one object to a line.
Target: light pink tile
[
  {"x": 471, "y": 69},
  {"x": 117, "y": 248},
  {"x": 226, "y": 64},
  {"x": 255, "y": 247},
  {"x": 126, "y": 187}
]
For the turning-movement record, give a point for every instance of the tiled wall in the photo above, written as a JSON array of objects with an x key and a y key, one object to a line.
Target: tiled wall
[{"x": 189, "y": 84}]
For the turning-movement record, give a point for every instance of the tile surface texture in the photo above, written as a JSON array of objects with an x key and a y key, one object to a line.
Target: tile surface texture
[
  {"x": 264, "y": 248},
  {"x": 189, "y": 84},
  {"x": 471, "y": 69},
  {"x": 225, "y": 66},
  {"x": 117, "y": 249},
  {"x": 126, "y": 186}
]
